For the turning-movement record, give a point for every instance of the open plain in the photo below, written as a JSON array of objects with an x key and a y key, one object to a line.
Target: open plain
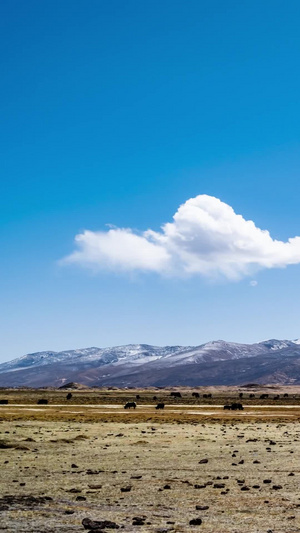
[{"x": 189, "y": 467}]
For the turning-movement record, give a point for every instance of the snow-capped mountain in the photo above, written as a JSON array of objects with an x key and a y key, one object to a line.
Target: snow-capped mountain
[
  {"x": 130, "y": 353},
  {"x": 146, "y": 364}
]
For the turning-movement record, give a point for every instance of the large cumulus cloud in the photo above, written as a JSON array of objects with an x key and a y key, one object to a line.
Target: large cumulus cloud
[{"x": 206, "y": 237}]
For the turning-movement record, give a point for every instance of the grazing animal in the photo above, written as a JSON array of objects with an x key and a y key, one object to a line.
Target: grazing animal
[
  {"x": 42, "y": 401},
  {"x": 154, "y": 397},
  {"x": 128, "y": 405},
  {"x": 251, "y": 395},
  {"x": 3, "y": 402},
  {"x": 237, "y": 407},
  {"x": 264, "y": 396},
  {"x": 286, "y": 395},
  {"x": 69, "y": 395},
  {"x": 160, "y": 406},
  {"x": 241, "y": 395},
  {"x": 234, "y": 407},
  {"x": 176, "y": 394},
  {"x": 207, "y": 395},
  {"x": 196, "y": 394},
  {"x": 137, "y": 396}
]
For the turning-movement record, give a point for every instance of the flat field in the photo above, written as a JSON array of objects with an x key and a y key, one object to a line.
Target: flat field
[{"x": 148, "y": 470}]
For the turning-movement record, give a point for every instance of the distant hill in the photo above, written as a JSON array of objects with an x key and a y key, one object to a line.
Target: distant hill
[{"x": 140, "y": 365}]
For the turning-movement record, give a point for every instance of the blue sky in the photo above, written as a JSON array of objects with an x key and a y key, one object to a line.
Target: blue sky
[{"x": 117, "y": 113}]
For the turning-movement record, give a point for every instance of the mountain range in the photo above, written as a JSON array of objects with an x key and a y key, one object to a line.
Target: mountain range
[{"x": 143, "y": 365}]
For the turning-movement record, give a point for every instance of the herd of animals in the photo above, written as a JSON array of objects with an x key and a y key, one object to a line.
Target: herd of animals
[{"x": 235, "y": 406}]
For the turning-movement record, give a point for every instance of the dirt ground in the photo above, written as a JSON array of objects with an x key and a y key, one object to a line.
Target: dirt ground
[{"x": 145, "y": 470}]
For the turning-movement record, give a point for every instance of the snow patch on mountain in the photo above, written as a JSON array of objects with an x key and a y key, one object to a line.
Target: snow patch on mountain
[{"x": 135, "y": 355}]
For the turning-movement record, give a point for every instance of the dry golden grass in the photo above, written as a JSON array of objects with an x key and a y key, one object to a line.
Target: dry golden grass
[
  {"x": 146, "y": 396},
  {"x": 81, "y": 456},
  {"x": 179, "y": 414},
  {"x": 67, "y": 460}
]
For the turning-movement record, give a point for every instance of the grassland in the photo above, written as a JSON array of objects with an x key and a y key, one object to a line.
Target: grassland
[{"x": 88, "y": 457}]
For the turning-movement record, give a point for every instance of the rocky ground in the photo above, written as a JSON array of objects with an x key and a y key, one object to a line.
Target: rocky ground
[{"x": 217, "y": 476}]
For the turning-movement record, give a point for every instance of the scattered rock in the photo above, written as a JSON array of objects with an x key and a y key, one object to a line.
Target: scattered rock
[
  {"x": 195, "y": 522},
  {"x": 138, "y": 521},
  {"x": 125, "y": 489},
  {"x": 94, "y": 525}
]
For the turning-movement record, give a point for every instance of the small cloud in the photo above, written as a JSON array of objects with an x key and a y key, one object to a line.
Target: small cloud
[
  {"x": 206, "y": 237},
  {"x": 253, "y": 283}
]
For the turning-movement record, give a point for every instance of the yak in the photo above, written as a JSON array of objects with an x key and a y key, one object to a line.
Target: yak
[
  {"x": 128, "y": 405},
  {"x": 160, "y": 406},
  {"x": 234, "y": 407}
]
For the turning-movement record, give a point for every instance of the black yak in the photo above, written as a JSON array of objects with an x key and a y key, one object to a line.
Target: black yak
[{"x": 128, "y": 405}]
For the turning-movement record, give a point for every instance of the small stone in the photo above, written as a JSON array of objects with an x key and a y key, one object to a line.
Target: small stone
[
  {"x": 138, "y": 521},
  {"x": 195, "y": 522},
  {"x": 97, "y": 525}
]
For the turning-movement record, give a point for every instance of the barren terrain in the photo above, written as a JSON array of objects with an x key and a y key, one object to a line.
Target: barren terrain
[{"x": 148, "y": 470}]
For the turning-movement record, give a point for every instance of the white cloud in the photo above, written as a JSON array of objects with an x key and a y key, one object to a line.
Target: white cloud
[
  {"x": 206, "y": 237},
  {"x": 253, "y": 283}
]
